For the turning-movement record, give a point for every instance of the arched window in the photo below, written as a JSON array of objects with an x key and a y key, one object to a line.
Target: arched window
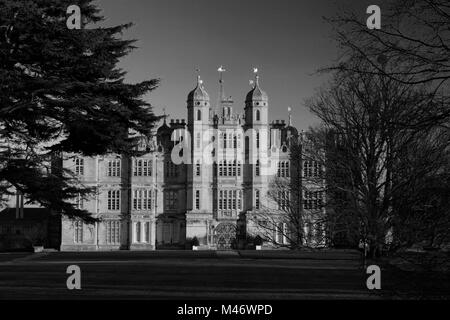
[
  {"x": 258, "y": 115},
  {"x": 235, "y": 141},
  {"x": 199, "y": 115},
  {"x": 224, "y": 140}
]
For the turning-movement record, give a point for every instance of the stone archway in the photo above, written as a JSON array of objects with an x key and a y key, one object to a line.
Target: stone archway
[{"x": 225, "y": 236}]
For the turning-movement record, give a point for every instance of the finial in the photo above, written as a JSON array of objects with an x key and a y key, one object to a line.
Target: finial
[
  {"x": 221, "y": 70},
  {"x": 199, "y": 80},
  {"x": 290, "y": 116},
  {"x": 255, "y": 71}
]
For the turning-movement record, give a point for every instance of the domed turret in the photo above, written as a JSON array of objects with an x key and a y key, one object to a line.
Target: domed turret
[
  {"x": 256, "y": 94},
  {"x": 164, "y": 129},
  {"x": 163, "y": 135},
  {"x": 199, "y": 93},
  {"x": 256, "y": 104}
]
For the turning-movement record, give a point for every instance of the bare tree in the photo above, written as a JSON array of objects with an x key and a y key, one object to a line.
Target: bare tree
[
  {"x": 414, "y": 38},
  {"x": 290, "y": 219},
  {"x": 372, "y": 119}
]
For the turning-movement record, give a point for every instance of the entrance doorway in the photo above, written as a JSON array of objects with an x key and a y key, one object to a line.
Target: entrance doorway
[{"x": 225, "y": 236}]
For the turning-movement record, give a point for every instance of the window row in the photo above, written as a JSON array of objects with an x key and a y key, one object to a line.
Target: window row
[
  {"x": 229, "y": 168},
  {"x": 230, "y": 140},
  {"x": 112, "y": 232},
  {"x": 141, "y": 167}
]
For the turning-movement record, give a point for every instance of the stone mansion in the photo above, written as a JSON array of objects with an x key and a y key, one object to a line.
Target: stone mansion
[{"x": 153, "y": 201}]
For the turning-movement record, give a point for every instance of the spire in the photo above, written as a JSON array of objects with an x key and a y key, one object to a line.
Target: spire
[{"x": 221, "y": 70}]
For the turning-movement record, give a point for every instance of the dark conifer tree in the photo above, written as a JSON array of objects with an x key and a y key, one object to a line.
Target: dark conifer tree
[{"x": 61, "y": 92}]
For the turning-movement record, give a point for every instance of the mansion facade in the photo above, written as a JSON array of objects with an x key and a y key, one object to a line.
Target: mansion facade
[{"x": 197, "y": 181}]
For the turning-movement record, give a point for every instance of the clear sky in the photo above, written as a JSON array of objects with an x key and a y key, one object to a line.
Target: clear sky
[{"x": 287, "y": 40}]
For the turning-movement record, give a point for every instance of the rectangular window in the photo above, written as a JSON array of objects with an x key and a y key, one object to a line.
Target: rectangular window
[
  {"x": 313, "y": 200},
  {"x": 199, "y": 140},
  {"x": 311, "y": 169},
  {"x": 113, "y": 232},
  {"x": 197, "y": 199},
  {"x": 283, "y": 200},
  {"x": 142, "y": 167},
  {"x": 114, "y": 200},
  {"x": 138, "y": 231},
  {"x": 142, "y": 199},
  {"x": 114, "y": 168},
  {"x": 171, "y": 200},
  {"x": 79, "y": 166},
  {"x": 257, "y": 140},
  {"x": 80, "y": 202},
  {"x": 240, "y": 200},
  {"x": 78, "y": 234},
  {"x": 147, "y": 232},
  {"x": 257, "y": 200}
]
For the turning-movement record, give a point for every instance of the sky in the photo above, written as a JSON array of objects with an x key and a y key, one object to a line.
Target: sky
[{"x": 287, "y": 40}]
